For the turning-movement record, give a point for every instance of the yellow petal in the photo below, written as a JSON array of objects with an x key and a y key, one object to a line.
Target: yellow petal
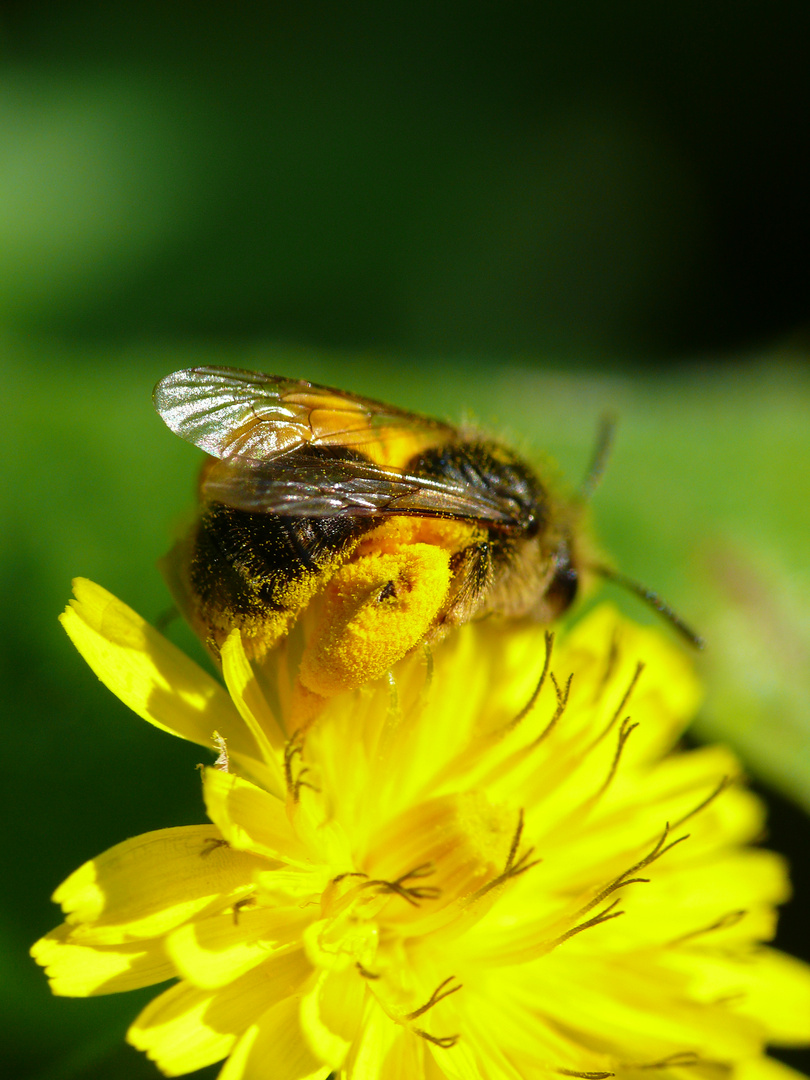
[
  {"x": 777, "y": 993},
  {"x": 387, "y": 1051},
  {"x": 187, "y": 1028},
  {"x": 146, "y": 886},
  {"x": 694, "y": 900},
  {"x": 499, "y": 1037},
  {"x": 286, "y": 887},
  {"x": 149, "y": 674},
  {"x": 179, "y": 1030},
  {"x": 247, "y": 696},
  {"x": 273, "y": 1047},
  {"x": 214, "y": 951},
  {"x": 331, "y": 1013},
  {"x": 635, "y": 1008},
  {"x": 668, "y": 688},
  {"x": 251, "y": 819},
  {"x": 386, "y": 744},
  {"x": 79, "y": 970},
  {"x": 581, "y": 848}
]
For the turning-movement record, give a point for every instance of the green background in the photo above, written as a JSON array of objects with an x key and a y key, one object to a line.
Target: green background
[{"x": 526, "y": 214}]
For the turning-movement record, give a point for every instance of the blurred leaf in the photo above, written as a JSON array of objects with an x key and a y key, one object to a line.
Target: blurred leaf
[{"x": 94, "y": 186}]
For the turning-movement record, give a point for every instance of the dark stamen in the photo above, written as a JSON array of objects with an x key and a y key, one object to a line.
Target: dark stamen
[
  {"x": 439, "y": 994},
  {"x": 527, "y": 708}
]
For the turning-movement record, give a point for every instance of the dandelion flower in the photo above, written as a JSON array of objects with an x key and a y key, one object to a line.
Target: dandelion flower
[{"x": 492, "y": 866}]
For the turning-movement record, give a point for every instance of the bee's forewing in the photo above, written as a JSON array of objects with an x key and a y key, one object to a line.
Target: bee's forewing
[{"x": 232, "y": 413}]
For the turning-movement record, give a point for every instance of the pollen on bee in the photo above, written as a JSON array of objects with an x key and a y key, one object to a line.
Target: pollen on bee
[{"x": 374, "y": 610}]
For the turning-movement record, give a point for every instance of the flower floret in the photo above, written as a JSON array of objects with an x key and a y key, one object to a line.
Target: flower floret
[{"x": 491, "y": 865}]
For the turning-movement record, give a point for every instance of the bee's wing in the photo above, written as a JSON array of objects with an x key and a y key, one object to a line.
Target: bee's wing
[
  {"x": 306, "y": 485},
  {"x": 231, "y": 413}
]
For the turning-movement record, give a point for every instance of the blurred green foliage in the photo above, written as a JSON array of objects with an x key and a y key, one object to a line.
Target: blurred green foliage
[
  {"x": 524, "y": 213},
  {"x": 585, "y": 179}
]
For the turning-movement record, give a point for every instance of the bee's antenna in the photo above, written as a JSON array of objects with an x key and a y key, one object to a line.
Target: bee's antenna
[
  {"x": 651, "y": 598},
  {"x": 599, "y": 457}
]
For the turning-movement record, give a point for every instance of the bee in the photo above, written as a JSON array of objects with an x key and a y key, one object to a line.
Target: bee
[{"x": 384, "y": 527}]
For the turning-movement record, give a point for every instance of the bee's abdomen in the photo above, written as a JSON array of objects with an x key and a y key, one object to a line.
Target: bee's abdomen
[{"x": 252, "y": 564}]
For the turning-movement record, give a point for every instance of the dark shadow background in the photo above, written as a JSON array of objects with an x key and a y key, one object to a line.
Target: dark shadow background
[
  {"x": 423, "y": 177},
  {"x": 410, "y": 200}
]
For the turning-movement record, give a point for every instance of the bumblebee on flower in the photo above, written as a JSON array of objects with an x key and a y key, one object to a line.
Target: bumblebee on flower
[
  {"x": 477, "y": 869},
  {"x": 380, "y": 528}
]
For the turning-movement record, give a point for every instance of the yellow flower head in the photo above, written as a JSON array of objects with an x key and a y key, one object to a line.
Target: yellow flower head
[{"x": 491, "y": 866}]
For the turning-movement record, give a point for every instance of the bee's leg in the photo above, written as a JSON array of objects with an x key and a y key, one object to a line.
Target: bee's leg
[
  {"x": 472, "y": 572},
  {"x": 374, "y": 610}
]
